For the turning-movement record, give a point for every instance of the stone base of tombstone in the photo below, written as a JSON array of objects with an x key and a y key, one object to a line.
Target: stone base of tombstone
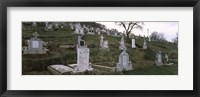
[
  {"x": 44, "y": 51},
  {"x": 63, "y": 69},
  {"x": 159, "y": 64},
  {"x": 119, "y": 67}
]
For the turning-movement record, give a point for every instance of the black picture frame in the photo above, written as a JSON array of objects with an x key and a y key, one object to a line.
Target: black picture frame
[{"x": 99, "y": 3}]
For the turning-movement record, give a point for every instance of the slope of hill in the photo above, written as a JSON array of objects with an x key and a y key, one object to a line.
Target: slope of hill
[{"x": 143, "y": 60}]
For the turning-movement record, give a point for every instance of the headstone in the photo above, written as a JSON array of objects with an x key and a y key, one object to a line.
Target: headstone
[
  {"x": 46, "y": 24},
  {"x": 83, "y": 58},
  {"x": 49, "y": 27},
  {"x": 105, "y": 44},
  {"x": 91, "y": 31},
  {"x": 122, "y": 44},
  {"x": 124, "y": 63},
  {"x": 81, "y": 42},
  {"x": 145, "y": 44},
  {"x": 149, "y": 38},
  {"x": 159, "y": 60},
  {"x": 166, "y": 58},
  {"x": 133, "y": 43},
  {"x": 35, "y": 46},
  {"x": 71, "y": 26},
  {"x": 34, "y": 26},
  {"x": 79, "y": 29},
  {"x": 101, "y": 41}
]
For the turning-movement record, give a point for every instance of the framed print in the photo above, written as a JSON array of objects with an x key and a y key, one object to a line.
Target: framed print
[{"x": 99, "y": 48}]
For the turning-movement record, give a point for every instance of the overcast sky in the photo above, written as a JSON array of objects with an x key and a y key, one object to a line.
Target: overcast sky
[{"x": 168, "y": 28}]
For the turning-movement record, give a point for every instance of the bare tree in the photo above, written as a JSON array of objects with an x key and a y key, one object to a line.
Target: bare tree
[{"x": 129, "y": 26}]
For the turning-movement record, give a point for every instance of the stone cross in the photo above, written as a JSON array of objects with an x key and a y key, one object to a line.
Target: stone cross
[{"x": 35, "y": 35}]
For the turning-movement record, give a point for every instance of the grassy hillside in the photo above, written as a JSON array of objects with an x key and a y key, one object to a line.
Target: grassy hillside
[{"x": 143, "y": 60}]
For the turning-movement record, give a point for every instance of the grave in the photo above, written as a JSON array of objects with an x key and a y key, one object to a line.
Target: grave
[
  {"x": 145, "y": 44},
  {"x": 104, "y": 44},
  {"x": 122, "y": 44},
  {"x": 35, "y": 46},
  {"x": 78, "y": 29},
  {"x": 133, "y": 43},
  {"x": 159, "y": 61},
  {"x": 124, "y": 63},
  {"x": 82, "y": 65}
]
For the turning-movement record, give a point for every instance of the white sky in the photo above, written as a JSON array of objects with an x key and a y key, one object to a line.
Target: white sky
[{"x": 168, "y": 28}]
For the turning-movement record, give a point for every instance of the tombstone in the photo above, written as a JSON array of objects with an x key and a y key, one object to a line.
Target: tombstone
[
  {"x": 145, "y": 44},
  {"x": 159, "y": 60},
  {"x": 82, "y": 65},
  {"x": 46, "y": 24},
  {"x": 105, "y": 44},
  {"x": 124, "y": 63},
  {"x": 101, "y": 41},
  {"x": 79, "y": 29},
  {"x": 56, "y": 25},
  {"x": 35, "y": 46},
  {"x": 133, "y": 43},
  {"x": 149, "y": 38},
  {"x": 83, "y": 58},
  {"x": 81, "y": 42},
  {"x": 122, "y": 44},
  {"x": 98, "y": 31},
  {"x": 34, "y": 26},
  {"x": 91, "y": 31},
  {"x": 166, "y": 61},
  {"x": 71, "y": 26},
  {"x": 49, "y": 27}
]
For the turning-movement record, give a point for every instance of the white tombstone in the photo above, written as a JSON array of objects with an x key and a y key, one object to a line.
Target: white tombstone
[
  {"x": 101, "y": 41},
  {"x": 145, "y": 44},
  {"x": 124, "y": 63},
  {"x": 159, "y": 60},
  {"x": 133, "y": 43},
  {"x": 122, "y": 44},
  {"x": 46, "y": 24},
  {"x": 79, "y": 29},
  {"x": 105, "y": 44},
  {"x": 83, "y": 59},
  {"x": 149, "y": 38}
]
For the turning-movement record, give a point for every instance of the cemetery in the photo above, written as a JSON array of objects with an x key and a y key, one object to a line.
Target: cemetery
[{"x": 66, "y": 48}]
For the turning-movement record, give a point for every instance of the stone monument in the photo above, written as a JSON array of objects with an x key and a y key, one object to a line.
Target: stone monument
[
  {"x": 124, "y": 63},
  {"x": 122, "y": 44},
  {"x": 133, "y": 43},
  {"x": 145, "y": 44},
  {"x": 159, "y": 61},
  {"x": 35, "y": 46}
]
